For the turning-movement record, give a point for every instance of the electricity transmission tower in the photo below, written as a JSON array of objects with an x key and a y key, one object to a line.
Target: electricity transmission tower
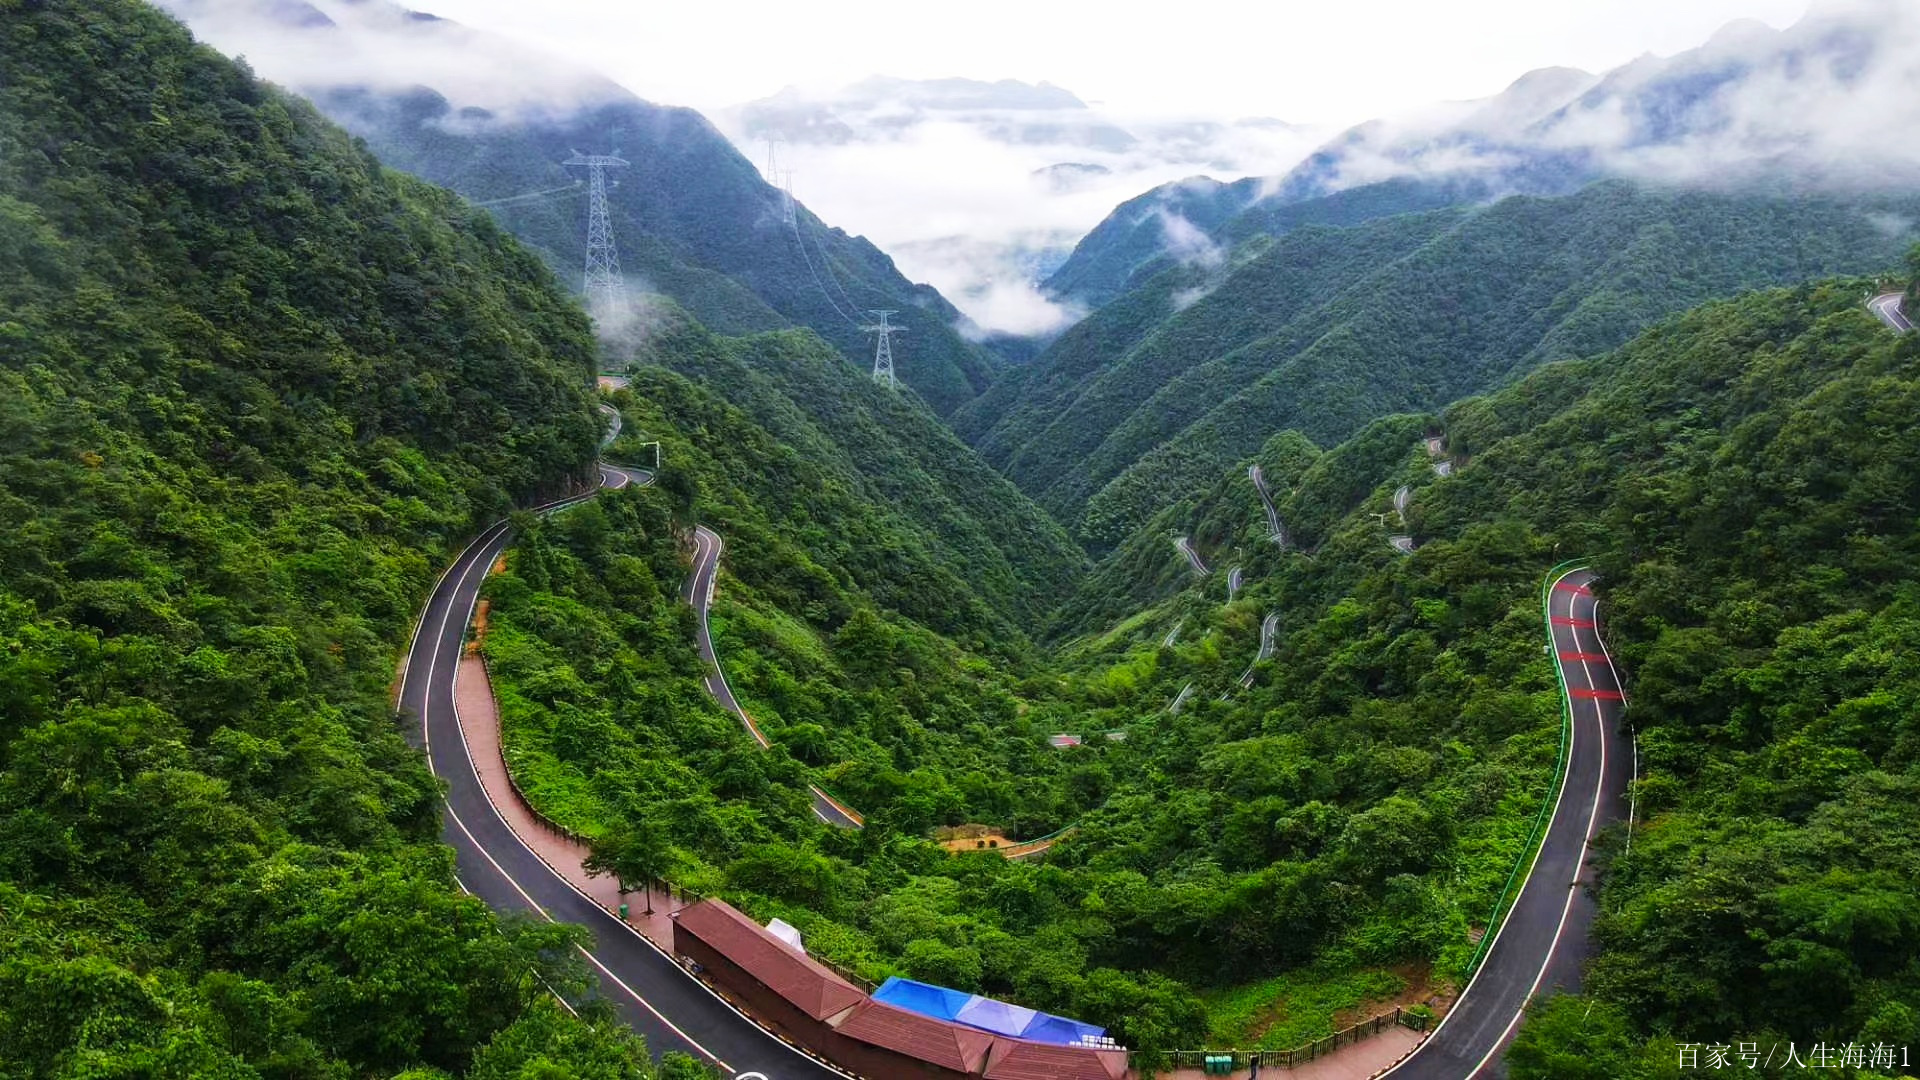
[
  {"x": 883, "y": 354},
  {"x": 605, "y": 288},
  {"x": 781, "y": 179}
]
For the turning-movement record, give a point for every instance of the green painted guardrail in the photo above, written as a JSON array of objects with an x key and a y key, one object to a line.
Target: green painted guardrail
[{"x": 1532, "y": 851}]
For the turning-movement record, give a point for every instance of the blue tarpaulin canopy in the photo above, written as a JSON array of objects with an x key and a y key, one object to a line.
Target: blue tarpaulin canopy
[
  {"x": 984, "y": 1013},
  {"x": 1061, "y": 1031},
  {"x": 923, "y": 998},
  {"x": 996, "y": 1016}
]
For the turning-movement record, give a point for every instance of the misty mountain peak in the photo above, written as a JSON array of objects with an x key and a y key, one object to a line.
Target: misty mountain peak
[
  {"x": 318, "y": 46},
  {"x": 1742, "y": 35},
  {"x": 959, "y": 94}
]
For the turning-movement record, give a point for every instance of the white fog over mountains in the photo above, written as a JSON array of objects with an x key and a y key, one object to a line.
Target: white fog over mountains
[{"x": 981, "y": 188}]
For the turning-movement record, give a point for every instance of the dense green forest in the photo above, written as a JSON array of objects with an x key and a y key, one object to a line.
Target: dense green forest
[
  {"x": 1340, "y": 829},
  {"x": 1131, "y": 245},
  {"x": 953, "y": 544},
  {"x": 253, "y": 387},
  {"x": 695, "y": 221},
  {"x": 1324, "y": 330}
]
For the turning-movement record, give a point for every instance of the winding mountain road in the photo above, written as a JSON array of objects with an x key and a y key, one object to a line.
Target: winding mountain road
[
  {"x": 648, "y": 988},
  {"x": 1543, "y": 942},
  {"x": 1193, "y": 557},
  {"x": 1276, "y": 531},
  {"x": 1268, "y": 627},
  {"x": 1887, "y": 306},
  {"x": 698, "y": 591}
]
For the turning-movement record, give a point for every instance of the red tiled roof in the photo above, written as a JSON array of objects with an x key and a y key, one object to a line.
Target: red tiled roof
[
  {"x": 1016, "y": 1060},
  {"x": 952, "y": 1046},
  {"x": 808, "y": 986}
]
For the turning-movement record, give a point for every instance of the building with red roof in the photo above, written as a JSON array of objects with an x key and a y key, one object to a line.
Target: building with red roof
[
  {"x": 778, "y": 983},
  {"x": 809, "y": 1003},
  {"x": 1015, "y": 1059},
  {"x": 876, "y": 1039}
]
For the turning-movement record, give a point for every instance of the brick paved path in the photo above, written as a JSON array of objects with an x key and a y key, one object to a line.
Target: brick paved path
[
  {"x": 480, "y": 726},
  {"x": 1360, "y": 1061}
]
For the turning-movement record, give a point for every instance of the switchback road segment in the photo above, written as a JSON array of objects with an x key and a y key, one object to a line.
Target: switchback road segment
[
  {"x": 657, "y": 996},
  {"x": 698, "y": 591},
  {"x": 1543, "y": 942}
]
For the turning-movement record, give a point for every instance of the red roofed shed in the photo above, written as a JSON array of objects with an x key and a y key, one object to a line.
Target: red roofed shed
[
  {"x": 879, "y": 1040},
  {"x": 776, "y": 982},
  {"x": 1013, "y": 1059}
]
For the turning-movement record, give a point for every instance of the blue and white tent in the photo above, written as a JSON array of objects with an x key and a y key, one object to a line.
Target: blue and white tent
[{"x": 985, "y": 1013}]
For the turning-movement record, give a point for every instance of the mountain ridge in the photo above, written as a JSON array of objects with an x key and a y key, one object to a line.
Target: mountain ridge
[
  {"x": 1149, "y": 394},
  {"x": 694, "y": 217}
]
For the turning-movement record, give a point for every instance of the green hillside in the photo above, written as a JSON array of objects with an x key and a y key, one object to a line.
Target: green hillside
[
  {"x": 1120, "y": 252},
  {"x": 851, "y": 637},
  {"x": 694, "y": 220},
  {"x": 1131, "y": 244},
  {"x": 1746, "y": 485},
  {"x": 1311, "y": 335},
  {"x": 962, "y": 550},
  {"x": 254, "y": 387},
  {"x": 1738, "y": 474},
  {"x": 1106, "y": 370}
]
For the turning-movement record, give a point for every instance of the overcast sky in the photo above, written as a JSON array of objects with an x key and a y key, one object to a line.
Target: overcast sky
[{"x": 1310, "y": 61}]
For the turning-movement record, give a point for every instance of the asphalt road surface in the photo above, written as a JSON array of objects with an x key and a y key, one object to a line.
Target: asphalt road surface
[
  {"x": 1193, "y": 557},
  {"x": 657, "y": 996},
  {"x": 1275, "y": 530},
  {"x": 1887, "y": 306},
  {"x": 698, "y": 591},
  {"x": 1544, "y": 941}
]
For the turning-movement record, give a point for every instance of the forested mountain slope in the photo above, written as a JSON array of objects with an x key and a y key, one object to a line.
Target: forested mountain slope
[
  {"x": 849, "y": 636},
  {"x": 694, "y": 220},
  {"x": 1187, "y": 221},
  {"x": 962, "y": 550},
  {"x": 1101, "y": 372},
  {"x": 1749, "y": 478},
  {"x": 1751, "y": 107},
  {"x": 1350, "y": 815},
  {"x": 252, "y": 387},
  {"x": 1746, "y": 485},
  {"x": 1308, "y": 334}
]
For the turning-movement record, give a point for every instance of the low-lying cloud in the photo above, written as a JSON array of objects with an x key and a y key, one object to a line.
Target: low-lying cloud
[
  {"x": 1186, "y": 242},
  {"x": 1828, "y": 103},
  {"x": 983, "y": 203},
  {"x": 317, "y": 45}
]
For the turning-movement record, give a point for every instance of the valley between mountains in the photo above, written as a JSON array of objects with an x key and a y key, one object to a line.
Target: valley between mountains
[{"x": 1477, "y": 599}]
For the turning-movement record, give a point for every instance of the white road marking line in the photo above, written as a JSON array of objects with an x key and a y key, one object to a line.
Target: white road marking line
[
  {"x": 484, "y": 538},
  {"x": 1508, "y": 917},
  {"x": 547, "y": 915}
]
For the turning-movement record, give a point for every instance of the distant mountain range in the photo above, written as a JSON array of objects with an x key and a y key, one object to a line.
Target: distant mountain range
[
  {"x": 983, "y": 188},
  {"x": 884, "y": 108},
  {"x": 1323, "y": 329},
  {"x": 694, "y": 219},
  {"x": 1823, "y": 104}
]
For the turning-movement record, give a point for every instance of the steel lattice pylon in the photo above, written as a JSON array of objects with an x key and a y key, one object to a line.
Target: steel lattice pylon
[
  {"x": 605, "y": 287},
  {"x": 883, "y": 353}
]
